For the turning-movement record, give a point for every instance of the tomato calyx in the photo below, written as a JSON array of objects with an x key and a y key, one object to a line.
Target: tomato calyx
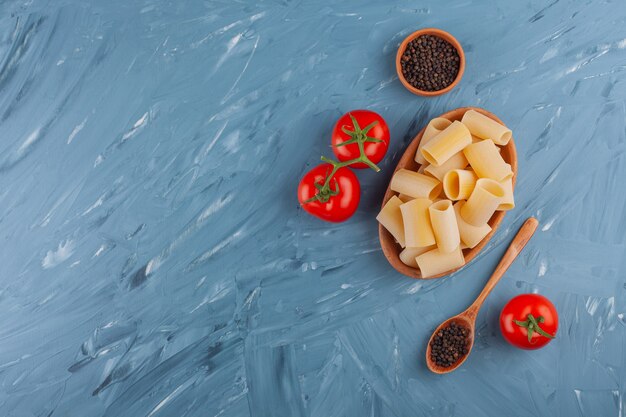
[
  {"x": 359, "y": 136},
  {"x": 531, "y": 324},
  {"x": 324, "y": 191}
]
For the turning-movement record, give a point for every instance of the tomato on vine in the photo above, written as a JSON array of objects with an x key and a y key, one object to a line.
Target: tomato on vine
[
  {"x": 529, "y": 321},
  {"x": 358, "y": 133},
  {"x": 329, "y": 193}
]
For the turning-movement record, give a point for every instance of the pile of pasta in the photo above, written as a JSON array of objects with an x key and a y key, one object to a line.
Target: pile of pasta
[{"x": 444, "y": 207}]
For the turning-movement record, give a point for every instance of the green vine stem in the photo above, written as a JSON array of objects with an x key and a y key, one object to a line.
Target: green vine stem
[
  {"x": 532, "y": 325},
  {"x": 358, "y": 136}
]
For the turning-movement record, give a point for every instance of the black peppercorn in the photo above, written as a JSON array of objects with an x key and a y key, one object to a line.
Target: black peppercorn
[
  {"x": 430, "y": 63},
  {"x": 449, "y": 345}
]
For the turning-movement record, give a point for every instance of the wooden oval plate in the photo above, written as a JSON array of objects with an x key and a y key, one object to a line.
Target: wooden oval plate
[{"x": 391, "y": 249}]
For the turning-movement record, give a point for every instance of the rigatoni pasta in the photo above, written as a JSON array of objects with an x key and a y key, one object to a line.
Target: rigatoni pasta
[
  {"x": 391, "y": 218},
  {"x": 470, "y": 235},
  {"x": 486, "y": 161},
  {"x": 456, "y": 161},
  {"x": 436, "y": 262},
  {"x": 486, "y": 128},
  {"x": 508, "y": 201},
  {"x": 458, "y": 184},
  {"x": 434, "y": 127},
  {"x": 445, "y": 207},
  {"x": 483, "y": 202},
  {"x": 444, "y": 225},
  {"x": 447, "y": 143},
  {"x": 405, "y": 198},
  {"x": 418, "y": 231},
  {"x": 415, "y": 184},
  {"x": 408, "y": 255}
]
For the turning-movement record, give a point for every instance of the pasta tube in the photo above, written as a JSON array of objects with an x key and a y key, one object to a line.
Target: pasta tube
[
  {"x": 456, "y": 161},
  {"x": 415, "y": 184},
  {"x": 436, "y": 262},
  {"x": 391, "y": 218},
  {"x": 434, "y": 127},
  {"x": 418, "y": 231},
  {"x": 486, "y": 128},
  {"x": 444, "y": 225},
  {"x": 470, "y": 235},
  {"x": 508, "y": 201},
  {"x": 447, "y": 143},
  {"x": 407, "y": 256},
  {"x": 405, "y": 198},
  {"x": 458, "y": 184},
  {"x": 483, "y": 202},
  {"x": 486, "y": 161}
]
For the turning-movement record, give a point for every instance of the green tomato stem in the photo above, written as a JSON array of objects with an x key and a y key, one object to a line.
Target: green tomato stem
[
  {"x": 531, "y": 324},
  {"x": 358, "y": 136}
]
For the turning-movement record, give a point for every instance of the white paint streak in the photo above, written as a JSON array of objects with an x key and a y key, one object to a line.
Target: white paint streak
[
  {"x": 549, "y": 54},
  {"x": 232, "y": 141},
  {"x": 414, "y": 288},
  {"x": 202, "y": 155},
  {"x": 251, "y": 297},
  {"x": 139, "y": 124},
  {"x": 224, "y": 243},
  {"x": 156, "y": 262},
  {"x": 99, "y": 251},
  {"x": 213, "y": 208},
  {"x": 76, "y": 130},
  {"x": 171, "y": 396},
  {"x": 548, "y": 224},
  {"x": 30, "y": 140},
  {"x": 245, "y": 67},
  {"x": 62, "y": 253},
  {"x": 95, "y": 205},
  {"x": 543, "y": 268},
  {"x": 153, "y": 265},
  {"x": 229, "y": 50}
]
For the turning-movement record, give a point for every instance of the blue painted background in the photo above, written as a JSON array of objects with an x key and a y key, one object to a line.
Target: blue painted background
[{"x": 155, "y": 261}]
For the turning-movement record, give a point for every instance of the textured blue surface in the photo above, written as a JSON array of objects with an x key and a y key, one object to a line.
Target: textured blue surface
[{"x": 154, "y": 258}]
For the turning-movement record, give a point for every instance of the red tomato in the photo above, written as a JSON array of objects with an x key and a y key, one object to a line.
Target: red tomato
[
  {"x": 363, "y": 126},
  {"x": 341, "y": 198},
  {"x": 529, "y": 321}
]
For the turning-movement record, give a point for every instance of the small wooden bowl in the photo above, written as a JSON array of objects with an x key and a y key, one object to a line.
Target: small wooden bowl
[
  {"x": 391, "y": 249},
  {"x": 440, "y": 34}
]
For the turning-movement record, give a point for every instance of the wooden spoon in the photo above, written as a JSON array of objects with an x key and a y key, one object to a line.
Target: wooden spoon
[
  {"x": 391, "y": 249},
  {"x": 467, "y": 319}
]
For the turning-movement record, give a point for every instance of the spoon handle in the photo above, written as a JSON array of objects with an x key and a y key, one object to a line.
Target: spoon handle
[{"x": 516, "y": 246}]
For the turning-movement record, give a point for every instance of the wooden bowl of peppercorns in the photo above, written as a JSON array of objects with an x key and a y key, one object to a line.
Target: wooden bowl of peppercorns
[{"x": 430, "y": 62}]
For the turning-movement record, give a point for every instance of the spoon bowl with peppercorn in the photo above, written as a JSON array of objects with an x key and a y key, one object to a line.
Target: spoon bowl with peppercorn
[
  {"x": 452, "y": 341},
  {"x": 430, "y": 62}
]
